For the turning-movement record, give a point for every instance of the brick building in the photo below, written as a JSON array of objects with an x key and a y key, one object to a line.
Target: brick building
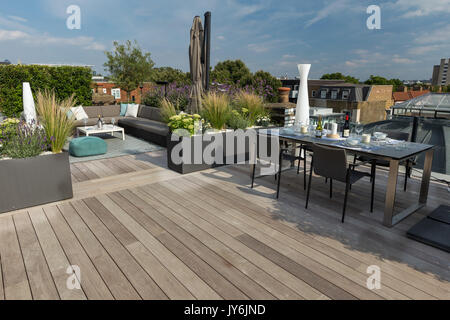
[
  {"x": 405, "y": 94},
  {"x": 119, "y": 94}
]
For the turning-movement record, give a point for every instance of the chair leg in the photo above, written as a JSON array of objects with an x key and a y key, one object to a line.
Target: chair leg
[
  {"x": 253, "y": 175},
  {"x": 347, "y": 188},
  {"x": 374, "y": 172},
  {"x": 326, "y": 180},
  {"x": 304, "y": 170},
  {"x": 309, "y": 184},
  {"x": 331, "y": 188},
  {"x": 279, "y": 174},
  {"x": 406, "y": 176}
]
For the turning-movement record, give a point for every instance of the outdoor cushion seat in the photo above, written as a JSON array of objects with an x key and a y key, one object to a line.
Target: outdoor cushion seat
[
  {"x": 146, "y": 125},
  {"x": 87, "y": 146}
]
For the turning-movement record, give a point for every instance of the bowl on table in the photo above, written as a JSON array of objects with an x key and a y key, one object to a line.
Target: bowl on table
[
  {"x": 380, "y": 136},
  {"x": 352, "y": 141}
]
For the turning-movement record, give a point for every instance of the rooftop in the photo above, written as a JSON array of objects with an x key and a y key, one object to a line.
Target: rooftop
[{"x": 140, "y": 231}]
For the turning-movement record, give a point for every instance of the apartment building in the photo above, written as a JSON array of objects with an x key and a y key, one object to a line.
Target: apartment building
[
  {"x": 367, "y": 103},
  {"x": 441, "y": 77}
]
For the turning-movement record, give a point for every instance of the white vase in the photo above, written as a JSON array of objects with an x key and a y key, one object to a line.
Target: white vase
[
  {"x": 29, "y": 109},
  {"x": 302, "y": 112}
]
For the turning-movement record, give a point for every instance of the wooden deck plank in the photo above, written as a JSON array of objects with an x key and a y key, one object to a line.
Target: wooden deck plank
[
  {"x": 91, "y": 282},
  {"x": 382, "y": 241},
  {"x": 116, "y": 281},
  {"x": 80, "y": 176},
  {"x": 39, "y": 277},
  {"x": 169, "y": 207},
  {"x": 166, "y": 281},
  {"x": 2, "y": 291},
  {"x": 15, "y": 281},
  {"x": 350, "y": 282},
  {"x": 318, "y": 215},
  {"x": 219, "y": 274},
  {"x": 55, "y": 256},
  {"x": 85, "y": 170},
  {"x": 140, "y": 280},
  {"x": 185, "y": 275},
  {"x": 226, "y": 233}
]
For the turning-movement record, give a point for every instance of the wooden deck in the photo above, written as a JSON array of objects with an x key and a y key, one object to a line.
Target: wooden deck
[{"x": 139, "y": 231}]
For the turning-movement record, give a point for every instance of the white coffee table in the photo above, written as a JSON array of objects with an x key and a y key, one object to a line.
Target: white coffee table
[{"x": 87, "y": 131}]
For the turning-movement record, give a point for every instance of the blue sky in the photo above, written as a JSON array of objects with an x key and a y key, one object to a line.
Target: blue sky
[{"x": 269, "y": 35}]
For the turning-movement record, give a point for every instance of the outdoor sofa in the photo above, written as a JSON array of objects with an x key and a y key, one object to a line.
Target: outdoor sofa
[{"x": 148, "y": 124}]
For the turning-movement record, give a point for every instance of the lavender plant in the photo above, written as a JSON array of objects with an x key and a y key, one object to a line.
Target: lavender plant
[{"x": 29, "y": 141}]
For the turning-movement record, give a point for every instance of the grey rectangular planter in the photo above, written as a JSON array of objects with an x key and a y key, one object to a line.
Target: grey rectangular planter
[
  {"x": 185, "y": 168},
  {"x": 35, "y": 181}
]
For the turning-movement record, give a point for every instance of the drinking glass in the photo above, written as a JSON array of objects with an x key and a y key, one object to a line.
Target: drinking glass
[
  {"x": 359, "y": 128},
  {"x": 113, "y": 121},
  {"x": 85, "y": 122}
]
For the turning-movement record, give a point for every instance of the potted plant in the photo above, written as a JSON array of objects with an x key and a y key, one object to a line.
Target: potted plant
[{"x": 33, "y": 168}]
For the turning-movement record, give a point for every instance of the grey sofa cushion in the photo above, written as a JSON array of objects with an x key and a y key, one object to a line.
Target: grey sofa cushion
[
  {"x": 156, "y": 115},
  {"x": 145, "y": 112},
  {"x": 110, "y": 111},
  {"x": 93, "y": 111},
  {"x": 147, "y": 125}
]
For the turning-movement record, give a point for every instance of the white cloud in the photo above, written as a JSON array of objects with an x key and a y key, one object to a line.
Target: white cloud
[
  {"x": 20, "y": 19},
  {"x": 327, "y": 10},
  {"x": 7, "y": 35},
  {"x": 258, "y": 48},
  {"x": 288, "y": 56},
  {"x": 398, "y": 59},
  {"x": 220, "y": 38},
  {"x": 420, "y": 8},
  {"x": 87, "y": 43}
]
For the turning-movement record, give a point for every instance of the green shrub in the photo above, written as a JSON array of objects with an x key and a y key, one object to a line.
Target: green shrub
[
  {"x": 184, "y": 121},
  {"x": 238, "y": 121},
  {"x": 250, "y": 105},
  {"x": 8, "y": 128},
  {"x": 64, "y": 81},
  {"x": 168, "y": 110}
]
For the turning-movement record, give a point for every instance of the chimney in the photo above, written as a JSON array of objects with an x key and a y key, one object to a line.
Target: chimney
[{"x": 405, "y": 89}]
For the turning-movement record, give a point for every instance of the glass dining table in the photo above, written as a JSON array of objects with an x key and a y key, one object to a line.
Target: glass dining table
[{"x": 395, "y": 152}]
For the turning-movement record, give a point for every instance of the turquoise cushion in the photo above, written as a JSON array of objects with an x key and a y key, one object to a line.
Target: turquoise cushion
[
  {"x": 123, "y": 109},
  {"x": 87, "y": 146}
]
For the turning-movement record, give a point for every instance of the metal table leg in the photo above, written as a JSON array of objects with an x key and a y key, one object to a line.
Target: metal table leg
[
  {"x": 389, "y": 218},
  {"x": 390, "y": 193}
]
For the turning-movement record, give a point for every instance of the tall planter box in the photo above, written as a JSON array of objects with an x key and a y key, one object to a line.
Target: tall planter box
[
  {"x": 198, "y": 141},
  {"x": 35, "y": 181}
]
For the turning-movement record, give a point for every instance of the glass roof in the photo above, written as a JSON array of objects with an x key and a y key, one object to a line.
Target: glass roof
[{"x": 429, "y": 102}]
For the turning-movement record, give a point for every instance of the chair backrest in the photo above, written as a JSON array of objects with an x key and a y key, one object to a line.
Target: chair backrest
[
  {"x": 398, "y": 135},
  {"x": 330, "y": 162}
]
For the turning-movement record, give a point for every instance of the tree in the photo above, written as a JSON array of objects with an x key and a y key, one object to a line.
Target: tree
[
  {"x": 377, "y": 80},
  {"x": 230, "y": 72},
  {"x": 128, "y": 65},
  {"x": 170, "y": 75},
  {"x": 339, "y": 76}
]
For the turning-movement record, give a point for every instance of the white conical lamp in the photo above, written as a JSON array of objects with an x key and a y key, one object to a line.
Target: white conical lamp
[
  {"x": 302, "y": 112},
  {"x": 29, "y": 109}
]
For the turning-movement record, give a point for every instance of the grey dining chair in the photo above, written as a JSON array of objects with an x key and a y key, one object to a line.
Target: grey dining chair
[
  {"x": 287, "y": 153},
  {"x": 332, "y": 163}
]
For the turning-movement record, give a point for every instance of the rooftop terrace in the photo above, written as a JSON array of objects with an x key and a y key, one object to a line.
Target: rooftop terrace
[{"x": 140, "y": 231}]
